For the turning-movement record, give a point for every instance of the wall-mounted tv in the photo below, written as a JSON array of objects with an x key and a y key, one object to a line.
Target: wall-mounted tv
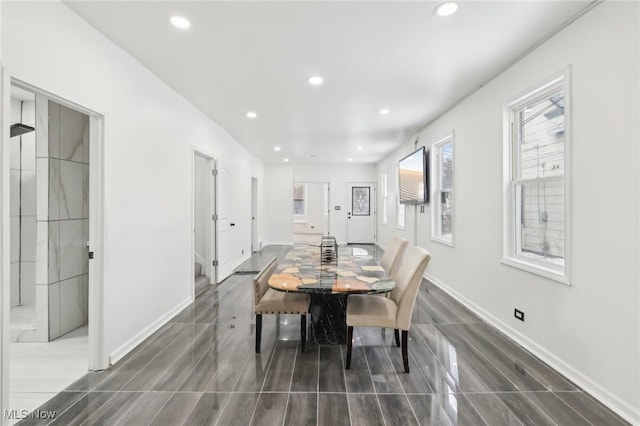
[{"x": 413, "y": 176}]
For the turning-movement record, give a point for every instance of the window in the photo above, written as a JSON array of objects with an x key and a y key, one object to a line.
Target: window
[
  {"x": 442, "y": 201},
  {"x": 535, "y": 237},
  {"x": 384, "y": 197},
  {"x": 299, "y": 195},
  {"x": 400, "y": 209}
]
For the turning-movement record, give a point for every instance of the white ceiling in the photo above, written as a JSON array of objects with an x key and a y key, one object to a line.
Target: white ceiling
[{"x": 257, "y": 56}]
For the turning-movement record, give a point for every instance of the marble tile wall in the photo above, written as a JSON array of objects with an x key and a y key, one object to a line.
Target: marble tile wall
[
  {"x": 59, "y": 184},
  {"x": 68, "y": 213}
]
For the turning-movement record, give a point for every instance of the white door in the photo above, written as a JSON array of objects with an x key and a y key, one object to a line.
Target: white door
[
  {"x": 254, "y": 215},
  {"x": 361, "y": 222},
  {"x": 225, "y": 224}
]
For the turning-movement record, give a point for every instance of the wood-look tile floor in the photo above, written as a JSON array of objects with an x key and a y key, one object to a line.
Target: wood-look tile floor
[{"x": 201, "y": 369}]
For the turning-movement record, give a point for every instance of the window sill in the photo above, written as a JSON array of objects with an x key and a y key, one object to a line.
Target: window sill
[
  {"x": 536, "y": 269},
  {"x": 400, "y": 228},
  {"x": 444, "y": 241}
]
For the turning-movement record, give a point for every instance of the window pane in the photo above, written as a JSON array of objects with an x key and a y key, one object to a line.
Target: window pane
[
  {"x": 541, "y": 138},
  {"x": 445, "y": 221},
  {"x": 298, "y": 207},
  {"x": 540, "y": 216},
  {"x": 401, "y": 213},
  {"x": 446, "y": 166}
]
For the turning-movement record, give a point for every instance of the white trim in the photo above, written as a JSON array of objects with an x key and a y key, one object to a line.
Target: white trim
[
  {"x": 4, "y": 242},
  {"x": 562, "y": 274},
  {"x": 97, "y": 231},
  {"x": 622, "y": 408},
  {"x": 134, "y": 341}
]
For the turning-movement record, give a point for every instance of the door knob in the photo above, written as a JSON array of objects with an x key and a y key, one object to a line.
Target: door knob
[{"x": 232, "y": 224}]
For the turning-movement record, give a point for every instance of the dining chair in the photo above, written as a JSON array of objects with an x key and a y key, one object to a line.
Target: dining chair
[
  {"x": 269, "y": 301},
  {"x": 390, "y": 312},
  {"x": 392, "y": 257}
]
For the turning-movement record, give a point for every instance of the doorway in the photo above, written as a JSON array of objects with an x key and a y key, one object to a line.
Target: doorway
[
  {"x": 225, "y": 225},
  {"x": 361, "y": 221},
  {"x": 53, "y": 292},
  {"x": 310, "y": 212},
  {"x": 204, "y": 221}
]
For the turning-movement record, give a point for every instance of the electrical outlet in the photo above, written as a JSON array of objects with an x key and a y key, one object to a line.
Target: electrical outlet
[{"x": 518, "y": 314}]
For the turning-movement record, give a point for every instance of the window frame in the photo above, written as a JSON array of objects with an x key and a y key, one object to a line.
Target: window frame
[
  {"x": 511, "y": 180},
  {"x": 436, "y": 189},
  {"x": 304, "y": 201},
  {"x": 399, "y": 206}
]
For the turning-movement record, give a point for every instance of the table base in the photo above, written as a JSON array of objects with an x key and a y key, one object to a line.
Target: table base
[{"x": 329, "y": 318}]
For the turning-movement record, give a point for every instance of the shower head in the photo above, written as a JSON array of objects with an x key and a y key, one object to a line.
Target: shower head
[{"x": 18, "y": 129}]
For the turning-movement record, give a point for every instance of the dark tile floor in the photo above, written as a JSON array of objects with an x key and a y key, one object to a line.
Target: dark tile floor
[{"x": 201, "y": 369}]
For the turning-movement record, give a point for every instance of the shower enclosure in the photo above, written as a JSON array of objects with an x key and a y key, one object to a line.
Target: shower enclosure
[{"x": 49, "y": 169}]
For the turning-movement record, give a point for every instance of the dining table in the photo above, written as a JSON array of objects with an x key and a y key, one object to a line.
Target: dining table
[{"x": 329, "y": 282}]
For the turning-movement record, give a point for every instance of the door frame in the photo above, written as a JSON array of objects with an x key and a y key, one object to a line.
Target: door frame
[
  {"x": 98, "y": 359},
  {"x": 255, "y": 244},
  {"x": 210, "y": 269}
]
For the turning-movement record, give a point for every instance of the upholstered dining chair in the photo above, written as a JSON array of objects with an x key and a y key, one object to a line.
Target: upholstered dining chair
[
  {"x": 390, "y": 312},
  {"x": 392, "y": 257},
  {"x": 269, "y": 301}
]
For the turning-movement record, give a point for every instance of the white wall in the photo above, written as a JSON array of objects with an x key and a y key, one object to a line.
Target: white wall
[
  {"x": 149, "y": 131},
  {"x": 280, "y": 195},
  {"x": 590, "y": 330}
]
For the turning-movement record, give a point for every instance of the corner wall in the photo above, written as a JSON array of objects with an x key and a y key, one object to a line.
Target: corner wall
[
  {"x": 590, "y": 331},
  {"x": 149, "y": 134}
]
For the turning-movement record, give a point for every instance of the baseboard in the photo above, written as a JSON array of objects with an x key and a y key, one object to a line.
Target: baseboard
[
  {"x": 275, "y": 243},
  {"x": 622, "y": 408},
  {"x": 241, "y": 261},
  {"x": 130, "y": 344}
]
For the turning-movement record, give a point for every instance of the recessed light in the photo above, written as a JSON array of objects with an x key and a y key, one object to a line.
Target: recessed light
[
  {"x": 447, "y": 8},
  {"x": 252, "y": 114},
  {"x": 180, "y": 22},
  {"x": 286, "y": 160},
  {"x": 276, "y": 148},
  {"x": 384, "y": 111},
  {"x": 350, "y": 159},
  {"x": 315, "y": 80},
  {"x": 359, "y": 148}
]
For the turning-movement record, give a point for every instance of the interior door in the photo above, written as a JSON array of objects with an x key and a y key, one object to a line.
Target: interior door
[
  {"x": 361, "y": 222},
  {"x": 225, "y": 224},
  {"x": 254, "y": 215}
]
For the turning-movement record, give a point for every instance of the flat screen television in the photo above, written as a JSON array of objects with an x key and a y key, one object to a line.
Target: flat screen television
[{"x": 413, "y": 177}]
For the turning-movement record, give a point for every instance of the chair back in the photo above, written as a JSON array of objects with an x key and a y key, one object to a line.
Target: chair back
[
  {"x": 407, "y": 284},
  {"x": 392, "y": 257},
  {"x": 261, "y": 281}
]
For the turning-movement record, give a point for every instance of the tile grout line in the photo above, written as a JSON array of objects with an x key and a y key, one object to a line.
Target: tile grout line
[
  {"x": 366, "y": 360},
  {"x": 275, "y": 348},
  {"x": 344, "y": 378},
  {"x": 161, "y": 408},
  {"x": 293, "y": 369}
]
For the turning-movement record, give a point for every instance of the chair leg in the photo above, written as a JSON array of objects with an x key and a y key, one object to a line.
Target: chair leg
[
  {"x": 258, "y": 332},
  {"x": 396, "y": 333},
  {"x": 405, "y": 354},
  {"x": 349, "y": 344},
  {"x": 303, "y": 331}
]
